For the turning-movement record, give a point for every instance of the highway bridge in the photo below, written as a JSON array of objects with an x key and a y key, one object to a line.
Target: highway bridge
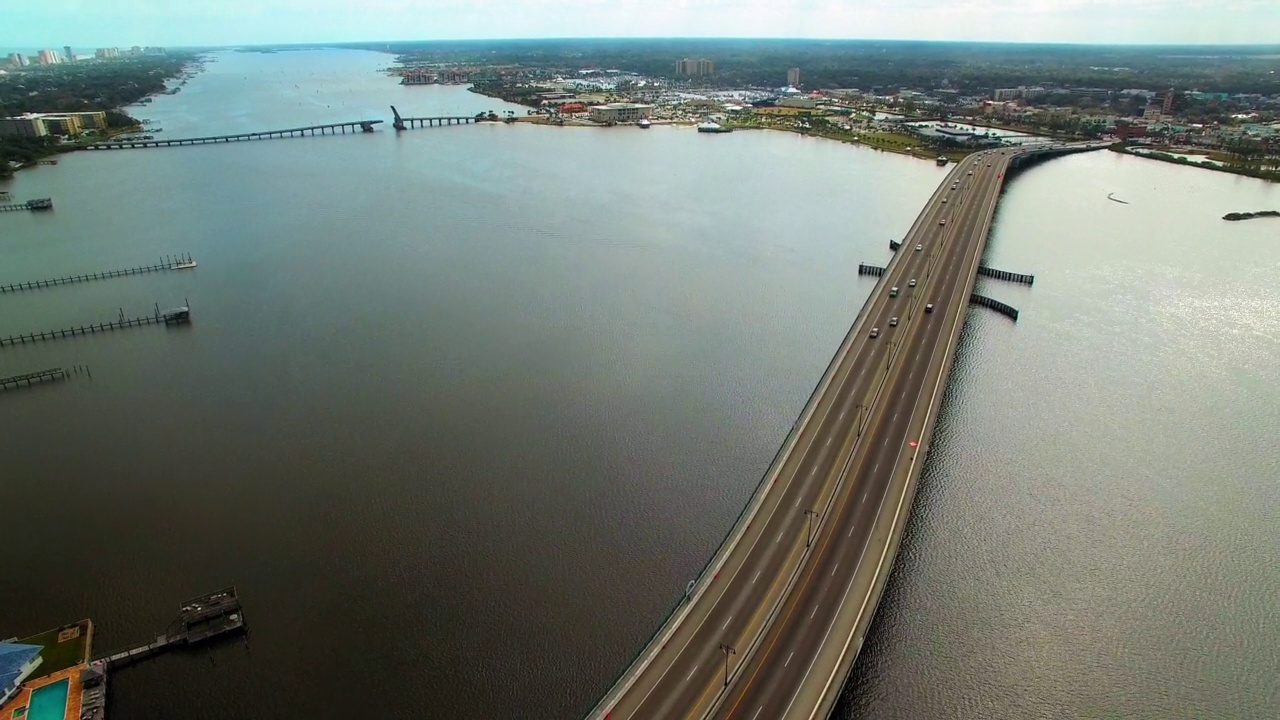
[{"x": 771, "y": 628}]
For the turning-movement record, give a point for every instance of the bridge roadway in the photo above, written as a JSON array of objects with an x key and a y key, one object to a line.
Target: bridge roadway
[
  {"x": 796, "y": 585},
  {"x": 804, "y": 657}
]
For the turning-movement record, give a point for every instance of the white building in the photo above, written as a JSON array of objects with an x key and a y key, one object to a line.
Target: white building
[{"x": 620, "y": 112}]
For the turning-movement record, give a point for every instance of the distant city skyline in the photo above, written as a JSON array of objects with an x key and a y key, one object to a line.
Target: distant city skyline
[{"x": 55, "y": 23}]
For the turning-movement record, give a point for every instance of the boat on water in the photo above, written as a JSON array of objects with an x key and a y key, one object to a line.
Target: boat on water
[
  {"x": 644, "y": 124},
  {"x": 185, "y": 265},
  {"x": 713, "y": 127},
  {"x": 942, "y": 160}
]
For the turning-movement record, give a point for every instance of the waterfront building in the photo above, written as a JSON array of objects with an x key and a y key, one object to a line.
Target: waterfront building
[
  {"x": 66, "y": 125},
  {"x": 22, "y": 126},
  {"x": 17, "y": 662},
  {"x": 48, "y": 57},
  {"x": 620, "y": 112},
  {"x": 106, "y": 53},
  {"x": 691, "y": 66},
  {"x": 793, "y": 77},
  {"x": 37, "y": 124},
  {"x": 67, "y": 56}
]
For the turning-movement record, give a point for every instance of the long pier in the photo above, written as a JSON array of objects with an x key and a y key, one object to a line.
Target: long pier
[
  {"x": 168, "y": 317},
  {"x": 37, "y": 204},
  {"x": 179, "y": 262},
  {"x": 358, "y": 126},
  {"x": 28, "y": 378}
]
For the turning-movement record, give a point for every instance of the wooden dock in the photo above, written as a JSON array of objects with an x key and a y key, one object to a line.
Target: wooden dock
[
  {"x": 167, "y": 317},
  {"x": 358, "y": 126},
  {"x": 35, "y": 377},
  {"x": 167, "y": 264},
  {"x": 200, "y": 619},
  {"x": 37, "y": 204}
]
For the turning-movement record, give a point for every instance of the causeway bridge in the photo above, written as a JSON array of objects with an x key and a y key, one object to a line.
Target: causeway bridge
[
  {"x": 771, "y": 628},
  {"x": 358, "y": 126}
]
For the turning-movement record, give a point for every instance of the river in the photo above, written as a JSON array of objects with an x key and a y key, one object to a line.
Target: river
[{"x": 461, "y": 410}]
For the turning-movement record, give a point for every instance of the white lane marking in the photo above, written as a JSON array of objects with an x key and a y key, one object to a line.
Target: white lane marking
[
  {"x": 796, "y": 505},
  {"x": 815, "y": 612},
  {"x": 779, "y": 536},
  {"x": 691, "y": 672},
  {"x": 753, "y": 717},
  {"x": 833, "y": 569},
  {"x": 788, "y": 662},
  {"x": 877, "y": 467},
  {"x": 851, "y": 529},
  {"x": 842, "y": 412},
  {"x": 726, "y": 623},
  {"x": 757, "y": 577},
  {"x": 828, "y": 441},
  {"x": 864, "y": 499},
  {"x": 895, "y": 415}
]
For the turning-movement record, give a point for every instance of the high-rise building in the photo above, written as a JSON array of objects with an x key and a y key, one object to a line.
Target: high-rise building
[
  {"x": 17, "y": 60},
  {"x": 66, "y": 55},
  {"x": 106, "y": 53},
  {"x": 1169, "y": 101},
  {"x": 699, "y": 66},
  {"x": 48, "y": 57},
  {"x": 793, "y": 77}
]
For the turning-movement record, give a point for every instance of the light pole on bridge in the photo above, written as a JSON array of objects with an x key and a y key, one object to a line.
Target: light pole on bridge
[
  {"x": 727, "y": 650},
  {"x": 808, "y": 537}
]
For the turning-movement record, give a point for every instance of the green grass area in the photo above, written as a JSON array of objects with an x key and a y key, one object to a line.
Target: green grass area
[{"x": 60, "y": 655}]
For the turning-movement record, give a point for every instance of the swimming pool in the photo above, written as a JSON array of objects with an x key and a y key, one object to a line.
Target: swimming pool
[{"x": 49, "y": 702}]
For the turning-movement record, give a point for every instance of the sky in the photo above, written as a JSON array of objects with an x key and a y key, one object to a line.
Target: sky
[{"x": 32, "y": 24}]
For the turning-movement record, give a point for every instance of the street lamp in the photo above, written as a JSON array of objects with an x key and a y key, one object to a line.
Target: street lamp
[
  {"x": 727, "y": 652},
  {"x": 860, "y": 408},
  {"x": 808, "y": 538}
]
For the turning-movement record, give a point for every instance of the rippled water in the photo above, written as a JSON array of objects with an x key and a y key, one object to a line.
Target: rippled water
[{"x": 460, "y": 411}]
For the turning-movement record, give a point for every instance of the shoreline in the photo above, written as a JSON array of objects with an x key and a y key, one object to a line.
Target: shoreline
[
  {"x": 931, "y": 156},
  {"x": 1163, "y": 156},
  {"x": 44, "y": 153}
]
